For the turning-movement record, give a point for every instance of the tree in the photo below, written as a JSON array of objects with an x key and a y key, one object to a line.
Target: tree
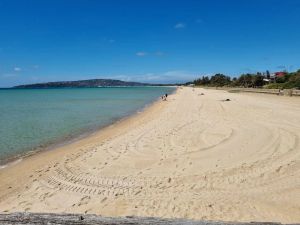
[
  {"x": 220, "y": 80},
  {"x": 245, "y": 80},
  {"x": 287, "y": 80},
  {"x": 202, "y": 81},
  {"x": 257, "y": 80}
]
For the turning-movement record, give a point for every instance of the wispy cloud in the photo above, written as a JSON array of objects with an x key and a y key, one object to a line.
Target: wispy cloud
[
  {"x": 159, "y": 53},
  {"x": 180, "y": 25},
  {"x": 8, "y": 75},
  {"x": 169, "y": 77},
  {"x": 281, "y": 67},
  {"x": 285, "y": 67},
  {"x": 111, "y": 41},
  {"x": 175, "y": 76},
  {"x": 17, "y": 69},
  {"x": 247, "y": 70},
  {"x": 141, "y": 54}
]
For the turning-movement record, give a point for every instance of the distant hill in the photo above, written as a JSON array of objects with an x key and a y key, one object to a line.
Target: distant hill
[{"x": 82, "y": 83}]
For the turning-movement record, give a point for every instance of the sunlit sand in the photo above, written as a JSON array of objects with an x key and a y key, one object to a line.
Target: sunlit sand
[{"x": 192, "y": 156}]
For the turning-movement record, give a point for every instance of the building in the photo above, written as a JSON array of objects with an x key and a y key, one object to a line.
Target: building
[{"x": 279, "y": 74}]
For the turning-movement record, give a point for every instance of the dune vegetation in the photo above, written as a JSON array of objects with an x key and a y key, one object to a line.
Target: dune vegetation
[{"x": 259, "y": 80}]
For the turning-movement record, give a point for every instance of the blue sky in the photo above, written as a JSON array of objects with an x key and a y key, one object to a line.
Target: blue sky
[{"x": 145, "y": 40}]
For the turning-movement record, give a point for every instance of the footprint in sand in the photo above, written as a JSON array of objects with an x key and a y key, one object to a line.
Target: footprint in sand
[
  {"x": 103, "y": 200},
  {"x": 84, "y": 200}
]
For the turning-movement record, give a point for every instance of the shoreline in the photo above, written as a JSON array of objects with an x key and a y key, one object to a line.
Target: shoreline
[
  {"x": 193, "y": 156},
  {"x": 71, "y": 138},
  {"x": 37, "y": 159}
]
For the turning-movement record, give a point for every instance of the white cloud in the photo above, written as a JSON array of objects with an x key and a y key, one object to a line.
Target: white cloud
[
  {"x": 179, "y": 25},
  {"x": 17, "y": 69},
  {"x": 141, "y": 54}
]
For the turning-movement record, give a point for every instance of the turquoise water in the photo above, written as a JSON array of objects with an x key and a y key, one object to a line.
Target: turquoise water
[{"x": 31, "y": 119}]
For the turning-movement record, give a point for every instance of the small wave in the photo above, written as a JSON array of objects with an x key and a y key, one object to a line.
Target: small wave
[{"x": 11, "y": 163}]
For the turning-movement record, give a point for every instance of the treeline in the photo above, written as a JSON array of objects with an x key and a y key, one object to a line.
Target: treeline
[{"x": 258, "y": 80}]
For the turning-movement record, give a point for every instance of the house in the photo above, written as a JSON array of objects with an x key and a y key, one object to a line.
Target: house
[
  {"x": 280, "y": 74},
  {"x": 274, "y": 76}
]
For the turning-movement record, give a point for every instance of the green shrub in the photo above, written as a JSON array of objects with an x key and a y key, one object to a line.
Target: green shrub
[{"x": 274, "y": 86}]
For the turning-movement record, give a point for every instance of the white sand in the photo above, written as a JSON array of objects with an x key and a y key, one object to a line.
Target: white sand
[{"x": 193, "y": 156}]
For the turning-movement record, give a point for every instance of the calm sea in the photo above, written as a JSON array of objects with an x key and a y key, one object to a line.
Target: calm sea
[{"x": 31, "y": 119}]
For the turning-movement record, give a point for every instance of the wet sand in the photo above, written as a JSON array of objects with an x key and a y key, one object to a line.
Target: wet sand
[{"x": 193, "y": 156}]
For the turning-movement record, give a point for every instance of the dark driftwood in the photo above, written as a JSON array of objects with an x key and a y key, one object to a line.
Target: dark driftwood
[{"x": 75, "y": 219}]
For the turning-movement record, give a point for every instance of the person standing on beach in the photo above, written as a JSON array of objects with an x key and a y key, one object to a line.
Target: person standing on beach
[{"x": 164, "y": 97}]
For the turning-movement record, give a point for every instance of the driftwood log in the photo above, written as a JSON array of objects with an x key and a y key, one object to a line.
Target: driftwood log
[{"x": 75, "y": 219}]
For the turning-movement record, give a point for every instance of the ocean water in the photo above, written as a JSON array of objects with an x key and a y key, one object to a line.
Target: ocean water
[{"x": 31, "y": 119}]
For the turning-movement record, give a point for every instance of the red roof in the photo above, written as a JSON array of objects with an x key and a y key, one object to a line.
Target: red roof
[{"x": 279, "y": 74}]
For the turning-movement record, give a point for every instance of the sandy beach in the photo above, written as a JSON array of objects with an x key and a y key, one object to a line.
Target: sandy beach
[{"x": 194, "y": 156}]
